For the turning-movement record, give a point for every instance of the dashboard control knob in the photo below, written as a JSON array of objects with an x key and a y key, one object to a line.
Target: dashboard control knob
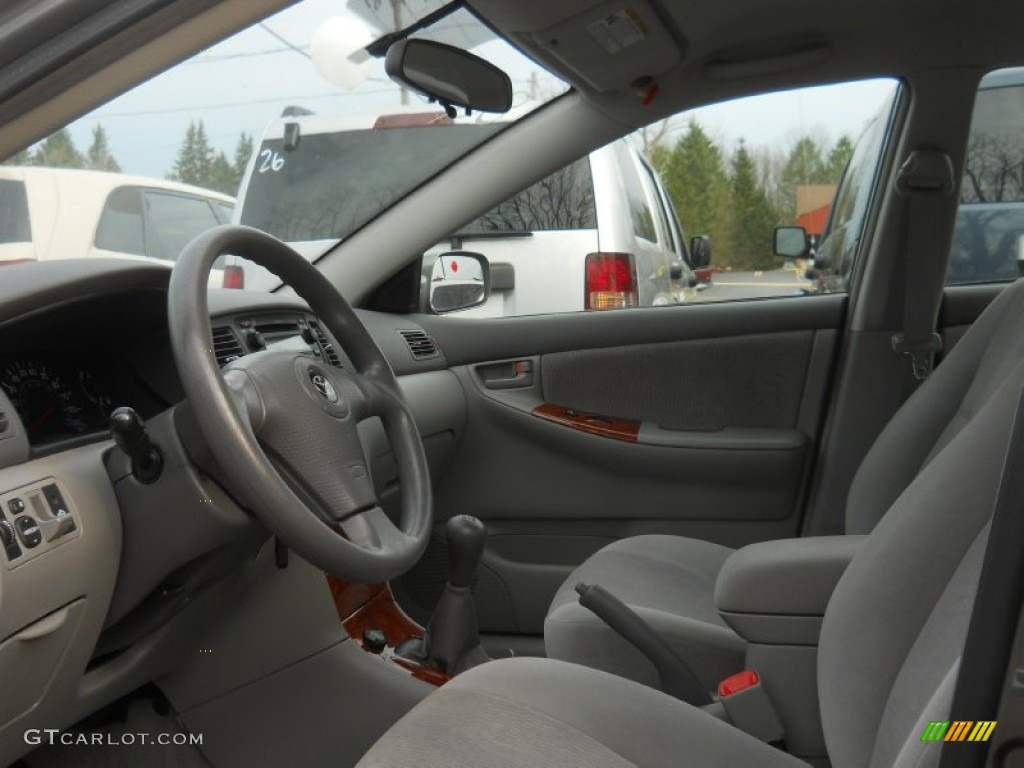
[
  {"x": 6, "y": 533},
  {"x": 254, "y": 340},
  {"x": 28, "y": 531}
]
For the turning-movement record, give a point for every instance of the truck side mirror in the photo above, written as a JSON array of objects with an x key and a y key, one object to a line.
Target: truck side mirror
[{"x": 791, "y": 242}]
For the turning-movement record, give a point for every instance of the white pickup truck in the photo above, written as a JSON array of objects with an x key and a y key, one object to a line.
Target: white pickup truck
[{"x": 599, "y": 234}]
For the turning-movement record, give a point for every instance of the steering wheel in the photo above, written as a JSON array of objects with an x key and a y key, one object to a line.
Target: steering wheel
[{"x": 283, "y": 425}]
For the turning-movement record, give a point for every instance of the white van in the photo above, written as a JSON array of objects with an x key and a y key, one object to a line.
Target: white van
[
  {"x": 56, "y": 213},
  {"x": 598, "y": 234}
]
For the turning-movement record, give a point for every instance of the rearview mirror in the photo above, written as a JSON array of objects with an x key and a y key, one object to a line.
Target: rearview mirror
[
  {"x": 700, "y": 252},
  {"x": 791, "y": 242},
  {"x": 449, "y": 75},
  {"x": 459, "y": 280}
]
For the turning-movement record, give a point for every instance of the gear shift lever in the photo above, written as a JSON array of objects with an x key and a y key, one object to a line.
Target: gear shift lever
[
  {"x": 466, "y": 538},
  {"x": 452, "y": 639}
]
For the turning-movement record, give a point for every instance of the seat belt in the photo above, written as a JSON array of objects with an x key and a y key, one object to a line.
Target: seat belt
[
  {"x": 994, "y": 620},
  {"x": 926, "y": 180}
]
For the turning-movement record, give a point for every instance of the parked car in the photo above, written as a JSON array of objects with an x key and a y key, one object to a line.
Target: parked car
[
  {"x": 58, "y": 213},
  {"x": 601, "y": 233}
]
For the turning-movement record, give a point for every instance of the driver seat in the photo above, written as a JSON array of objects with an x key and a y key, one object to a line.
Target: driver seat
[{"x": 888, "y": 655}]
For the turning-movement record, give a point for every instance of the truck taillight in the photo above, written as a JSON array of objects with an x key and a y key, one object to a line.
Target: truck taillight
[
  {"x": 12, "y": 262},
  {"x": 234, "y": 277},
  {"x": 611, "y": 281}
]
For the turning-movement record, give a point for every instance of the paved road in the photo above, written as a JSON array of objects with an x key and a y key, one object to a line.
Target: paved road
[{"x": 729, "y": 286}]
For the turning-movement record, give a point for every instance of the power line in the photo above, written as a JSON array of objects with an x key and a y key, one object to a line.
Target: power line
[
  {"x": 252, "y": 102},
  {"x": 291, "y": 45},
  {"x": 201, "y": 59}
]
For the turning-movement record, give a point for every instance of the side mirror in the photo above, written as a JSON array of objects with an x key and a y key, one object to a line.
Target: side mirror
[
  {"x": 791, "y": 242},
  {"x": 700, "y": 252},
  {"x": 459, "y": 280},
  {"x": 449, "y": 75}
]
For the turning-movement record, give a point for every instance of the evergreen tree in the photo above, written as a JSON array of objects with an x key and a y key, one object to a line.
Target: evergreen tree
[
  {"x": 242, "y": 154},
  {"x": 753, "y": 216},
  {"x": 695, "y": 178},
  {"x": 804, "y": 165},
  {"x": 837, "y": 160},
  {"x": 195, "y": 159},
  {"x": 98, "y": 157},
  {"x": 58, "y": 151},
  {"x": 223, "y": 176},
  {"x": 21, "y": 158}
]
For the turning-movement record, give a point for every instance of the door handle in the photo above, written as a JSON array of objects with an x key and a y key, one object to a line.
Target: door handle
[{"x": 512, "y": 374}]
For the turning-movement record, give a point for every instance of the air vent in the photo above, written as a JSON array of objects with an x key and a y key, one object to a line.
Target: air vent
[
  {"x": 420, "y": 344},
  {"x": 226, "y": 346},
  {"x": 325, "y": 344}
]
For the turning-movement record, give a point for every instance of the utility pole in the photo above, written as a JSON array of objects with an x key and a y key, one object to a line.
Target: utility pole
[
  {"x": 533, "y": 86},
  {"x": 396, "y": 16}
]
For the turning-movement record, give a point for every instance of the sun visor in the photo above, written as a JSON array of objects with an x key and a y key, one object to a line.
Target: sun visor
[{"x": 611, "y": 45}]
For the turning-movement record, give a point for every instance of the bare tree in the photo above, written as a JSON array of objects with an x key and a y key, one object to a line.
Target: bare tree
[{"x": 654, "y": 135}]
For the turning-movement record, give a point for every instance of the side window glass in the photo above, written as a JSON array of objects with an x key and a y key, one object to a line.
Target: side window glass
[
  {"x": 121, "y": 227},
  {"x": 172, "y": 220},
  {"x": 988, "y": 238},
  {"x": 737, "y": 170},
  {"x": 607, "y": 232}
]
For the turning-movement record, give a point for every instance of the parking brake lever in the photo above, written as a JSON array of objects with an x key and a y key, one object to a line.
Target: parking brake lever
[{"x": 677, "y": 679}]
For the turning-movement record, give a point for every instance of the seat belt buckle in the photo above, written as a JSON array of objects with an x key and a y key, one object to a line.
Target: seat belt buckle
[
  {"x": 749, "y": 707},
  {"x": 921, "y": 354}
]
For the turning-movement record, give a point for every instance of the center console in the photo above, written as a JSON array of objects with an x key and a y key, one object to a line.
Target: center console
[{"x": 774, "y": 594}]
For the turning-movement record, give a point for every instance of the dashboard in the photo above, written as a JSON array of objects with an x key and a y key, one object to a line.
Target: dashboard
[
  {"x": 62, "y": 397},
  {"x": 102, "y": 565}
]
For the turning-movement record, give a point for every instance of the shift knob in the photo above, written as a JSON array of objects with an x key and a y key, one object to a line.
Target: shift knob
[{"x": 466, "y": 536}]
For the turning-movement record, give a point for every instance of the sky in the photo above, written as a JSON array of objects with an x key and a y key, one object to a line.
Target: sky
[{"x": 246, "y": 81}]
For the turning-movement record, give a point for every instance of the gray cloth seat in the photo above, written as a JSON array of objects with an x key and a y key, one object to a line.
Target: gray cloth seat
[
  {"x": 890, "y": 643},
  {"x": 669, "y": 580}
]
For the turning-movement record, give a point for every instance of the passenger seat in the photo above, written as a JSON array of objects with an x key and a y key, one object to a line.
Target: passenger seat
[{"x": 670, "y": 580}]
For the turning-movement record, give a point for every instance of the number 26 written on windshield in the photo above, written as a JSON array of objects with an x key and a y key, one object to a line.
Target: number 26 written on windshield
[{"x": 271, "y": 161}]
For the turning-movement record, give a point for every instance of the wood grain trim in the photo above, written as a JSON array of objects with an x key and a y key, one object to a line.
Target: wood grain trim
[
  {"x": 603, "y": 426},
  {"x": 372, "y": 606}
]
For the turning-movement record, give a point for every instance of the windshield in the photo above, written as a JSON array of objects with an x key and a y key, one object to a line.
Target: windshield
[{"x": 290, "y": 126}]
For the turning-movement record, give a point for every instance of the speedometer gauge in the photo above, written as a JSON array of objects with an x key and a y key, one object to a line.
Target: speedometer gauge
[{"x": 47, "y": 403}]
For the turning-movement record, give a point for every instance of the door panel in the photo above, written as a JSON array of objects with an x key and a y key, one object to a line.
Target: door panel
[{"x": 582, "y": 429}]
